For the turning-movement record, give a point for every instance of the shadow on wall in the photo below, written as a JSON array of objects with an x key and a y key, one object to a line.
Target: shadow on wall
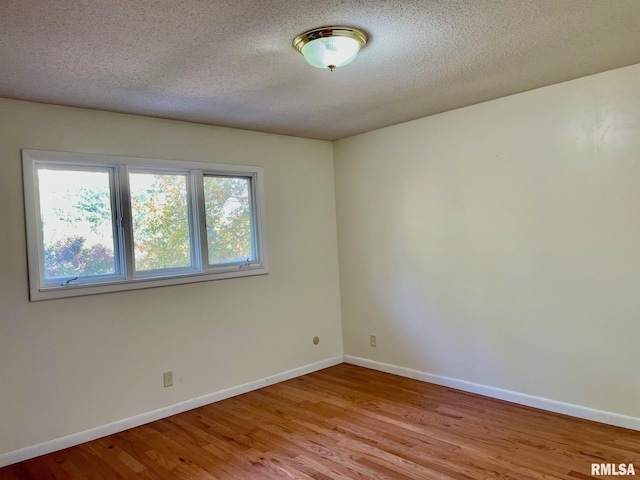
[{"x": 444, "y": 271}]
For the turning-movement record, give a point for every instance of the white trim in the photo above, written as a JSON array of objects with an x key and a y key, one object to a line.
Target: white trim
[
  {"x": 91, "y": 159},
  {"x": 579, "y": 411},
  {"x": 67, "y": 441}
]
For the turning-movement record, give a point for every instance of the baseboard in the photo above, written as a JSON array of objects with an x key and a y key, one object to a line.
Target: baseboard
[
  {"x": 508, "y": 395},
  {"x": 121, "y": 425},
  {"x": 579, "y": 411}
]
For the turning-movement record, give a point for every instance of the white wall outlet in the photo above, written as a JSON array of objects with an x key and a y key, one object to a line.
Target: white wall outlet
[
  {"x": 372, "y": 340},
  {"x": 168, "y": 379}
]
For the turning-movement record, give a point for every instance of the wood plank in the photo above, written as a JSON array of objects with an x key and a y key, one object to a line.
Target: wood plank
[{"x": 347, "y": 422}]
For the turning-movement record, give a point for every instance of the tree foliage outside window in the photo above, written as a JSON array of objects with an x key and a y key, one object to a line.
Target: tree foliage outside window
[
  {"x": 228, "y": 214},
  {"x": 77, "y": 223},
  {"x": 160, "y": 224},
  {"x": 70, "y": 257},
  {"x": 159, "y": 205},
  {"x": 100, "y": 223}
]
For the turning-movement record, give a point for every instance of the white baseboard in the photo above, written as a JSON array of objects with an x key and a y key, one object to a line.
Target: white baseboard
[
  {"x": 121, "y": 425},
  {"x": 521, "y": 398}
]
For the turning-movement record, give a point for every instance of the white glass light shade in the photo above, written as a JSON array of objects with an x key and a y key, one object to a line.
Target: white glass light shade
[
  {"x": 331, "y": 46},
  {"x": 331, "y": 51}
]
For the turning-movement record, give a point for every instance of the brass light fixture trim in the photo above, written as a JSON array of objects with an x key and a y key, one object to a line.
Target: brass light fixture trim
[{"x": 330, "y": 31}]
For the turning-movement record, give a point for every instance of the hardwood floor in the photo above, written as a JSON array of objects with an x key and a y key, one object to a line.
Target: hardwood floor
[{"x": 347, "y": 422}]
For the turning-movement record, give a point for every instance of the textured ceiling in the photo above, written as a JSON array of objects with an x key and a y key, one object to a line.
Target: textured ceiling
[{"x": 231, "y": 63}]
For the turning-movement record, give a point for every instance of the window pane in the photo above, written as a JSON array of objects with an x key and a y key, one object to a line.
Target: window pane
[
  {"x": 228, "y": 211},
  {"x": 160, "y": 210},
  {"x": 77, "y": 223}
]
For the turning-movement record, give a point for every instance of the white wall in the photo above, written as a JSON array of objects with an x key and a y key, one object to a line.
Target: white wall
[
  {"x": 72, "y": 364},
  {"x": 500, "y": 243}
]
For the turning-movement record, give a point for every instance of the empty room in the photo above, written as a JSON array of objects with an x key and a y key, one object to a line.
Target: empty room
[{"x": 319, "y": 240}]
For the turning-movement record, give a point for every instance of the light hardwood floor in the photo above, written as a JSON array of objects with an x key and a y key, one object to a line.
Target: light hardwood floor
[{"x": 347, "y": 422}]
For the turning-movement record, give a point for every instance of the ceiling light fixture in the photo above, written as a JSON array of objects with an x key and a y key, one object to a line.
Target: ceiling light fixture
[{"x": 330, "y": 47}]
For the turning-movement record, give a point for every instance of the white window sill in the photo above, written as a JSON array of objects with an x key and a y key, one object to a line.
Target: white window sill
[{"x": 76, "y": 290}]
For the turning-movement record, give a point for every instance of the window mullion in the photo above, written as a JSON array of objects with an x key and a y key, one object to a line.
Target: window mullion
[
  {"x": 126, "y": 224},
  {"x": 258, "y": 217},
  {"x": 116, "y": 209},
  {"x": 200, "y": 220},
  {"x": 255, "y": 238}
]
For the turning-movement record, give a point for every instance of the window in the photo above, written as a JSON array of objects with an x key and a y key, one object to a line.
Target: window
[
  {"x": 228, "y": 216},
  {"x": 98, "y": 223},
  {"x": 162, "y": 233}
]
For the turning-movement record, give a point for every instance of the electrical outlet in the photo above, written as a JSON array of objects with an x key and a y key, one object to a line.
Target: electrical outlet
[
  {"x": 168, "y": 379},
  {"x": 372, "y": 340}
]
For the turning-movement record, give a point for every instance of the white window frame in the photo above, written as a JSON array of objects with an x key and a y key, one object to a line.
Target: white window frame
[{"x": 126, "y": 278}]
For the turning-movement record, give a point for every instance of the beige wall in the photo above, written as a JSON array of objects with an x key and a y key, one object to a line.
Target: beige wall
[
  {"x": 72, "y": 364},
  {"x": 500, "y": 243}
]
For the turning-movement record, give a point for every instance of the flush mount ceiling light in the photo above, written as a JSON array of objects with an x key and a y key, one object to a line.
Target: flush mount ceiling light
[{"x": 330, "y": 47}]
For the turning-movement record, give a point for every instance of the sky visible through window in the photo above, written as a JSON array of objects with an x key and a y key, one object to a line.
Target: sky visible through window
[{"x": 77, "y": 222}]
